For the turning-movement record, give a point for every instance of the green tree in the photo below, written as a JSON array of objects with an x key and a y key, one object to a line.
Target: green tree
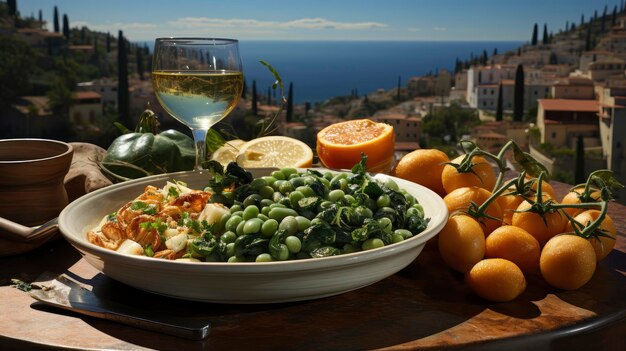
[
  {"x": 56, "y": 20},
  {"x": 499, "y": 112},
  {"x": 17, "y": 63},
  {"x": 289, "y": 113},
  {"x": 66, "y": 27},
  {"x": 579, "y": 173},
  {"x": 122, "y": 79},
  {"x": 243, "y": 91},
  {"x": 545, "y": 39},
  {"x": 269, "y": 96},
  {"x": 533, "y": 41},
  {"x": 518, "y": 94},
  {"x": 108, "y": 42}
]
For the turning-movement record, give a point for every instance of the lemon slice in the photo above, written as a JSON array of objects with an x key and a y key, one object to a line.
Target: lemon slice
[
  {"x": 275, "y": 151},
  {"x": 228, "y": 152}
]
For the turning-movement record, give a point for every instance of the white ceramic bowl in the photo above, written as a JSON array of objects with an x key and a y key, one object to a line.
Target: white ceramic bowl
[{"x": 266, "y": 282}]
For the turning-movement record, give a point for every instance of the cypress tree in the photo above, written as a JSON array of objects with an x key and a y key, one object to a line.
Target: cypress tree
[
  {"x": 66, "y": 27},
  {"x": 566, "y": 25},
  {"x": 108, "y": 42},
  {"x": 56, "y": 20},
  {"x": 588, "y": 39},
  {"x": 495, "y": 52},
  {"x": 518, "y": 100},
  {"x": 255, "y": 110},
  {"x": 122, "y": 80},
  {"x": 603, "y": 22},
  {"x": 614, "y": 16},
  {"x": 579, "y": 173},
  {"x": 544, "y": 41},
  {"x": 572, "y": 27},
  {"x": 582, "y": 19},
  {"x": 40, "y": 19},
  {"x": 140, "y": 66},
  {"x": 499, "y": 112},
  {"x": 243, "y": 90},
  {"x": 12, "y": 6},
  {"x": 533, "y": 41},
  {"x": 398, "y": 93},
  {"x": 290, "y": 103}
]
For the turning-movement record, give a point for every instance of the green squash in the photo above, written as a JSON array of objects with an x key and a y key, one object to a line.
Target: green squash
[{"x": 146, "y": 152}]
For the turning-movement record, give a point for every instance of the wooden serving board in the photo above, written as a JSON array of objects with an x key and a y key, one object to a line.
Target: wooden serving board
[{"x": 425, "y": 305}]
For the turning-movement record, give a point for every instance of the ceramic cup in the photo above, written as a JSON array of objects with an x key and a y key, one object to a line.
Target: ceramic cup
[{"x": 31, "y": 179}]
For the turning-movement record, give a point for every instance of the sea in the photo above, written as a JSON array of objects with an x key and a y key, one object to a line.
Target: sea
[{"x": 320, "y": 70}]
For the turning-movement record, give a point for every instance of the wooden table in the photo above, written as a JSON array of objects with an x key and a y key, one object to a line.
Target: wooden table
[{"x": 423, "y": 306}]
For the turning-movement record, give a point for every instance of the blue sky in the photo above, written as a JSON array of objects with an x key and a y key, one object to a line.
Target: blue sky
[{"x": 144, "y": 20}]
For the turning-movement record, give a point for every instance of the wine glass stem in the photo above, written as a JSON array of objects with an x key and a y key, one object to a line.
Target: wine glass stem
[{"x": 199, "y": 137}]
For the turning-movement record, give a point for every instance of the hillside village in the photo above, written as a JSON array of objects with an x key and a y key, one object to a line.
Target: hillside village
[{"x": 574, "y": 92}]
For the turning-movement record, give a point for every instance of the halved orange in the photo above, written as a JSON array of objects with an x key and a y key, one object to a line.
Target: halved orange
[{"x": 340, "y": 145}]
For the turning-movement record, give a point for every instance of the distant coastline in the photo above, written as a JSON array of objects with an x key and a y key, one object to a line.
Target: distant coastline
[{"x": 321, "y": 70}]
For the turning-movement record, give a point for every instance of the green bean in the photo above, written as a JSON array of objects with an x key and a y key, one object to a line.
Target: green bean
[
  {"x": 228, "y": 237},
  {"x": 269, "y": 180},
  {"x": 328, "y": 176},
  {"x": 286, "y": 188},
  {"x": 373, "y": 243},
  {"x": 294, "y": 245},
  {"x": 396, "y": 238},
  {"x": 235, "y": 208},
  {"x": 258, "y": 183},
  {"x": 403, "y": 232},
  {"x": 295, "y": 196},
  {"x": 265, "y": 210},
  {"x": 349, "y": 248},
  {"x": 278, "y": 213},
  {"x": 303, "y": 223},
  {"x": 252, "y": 226},
  {"x": 383, "y": 201},
  {"x": 287, "y": 171},
  {"x": 266, "y": 192},
  {"x": 277, "y": 184},
  {"x": 262, "y": 217},
  {"x": 336, "y": 195},
  {"x": 306, "y": 190},
  {"x": 386, "y": 224},
  {"x": 278, "y": 175},
  {"x": 225, "y": 217},
  {"x": 283, "y": 252},
  {"x": 265, "y": 203},
  {"x": 277, "y": 196},
  {"x": 290, "y": 224},
  {"x": 264, "y": 257},
  {"x": 230, "y": 249},
  {"x": 250, "y": 211},
  {"x": 253, "y": 199},
  {"x": 269, "y": 227},
  {"x": 239, "y": 230},
  {"x": 232, "y": 223},
  {"x": 297, "y": 181}
]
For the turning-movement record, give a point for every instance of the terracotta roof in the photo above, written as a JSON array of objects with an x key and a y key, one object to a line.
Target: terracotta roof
[
  {"x": 406, "y": 146},
  {"x": 492, "y": 135},
  {"x": 508, "y": 82},
  {"x": 391, "y": 116},
  {"x": 569, "y": 105},
  {"x": 81, "y": 95}
]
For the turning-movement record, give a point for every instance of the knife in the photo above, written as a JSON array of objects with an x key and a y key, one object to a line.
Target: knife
[{"x": 63, "y": 292}]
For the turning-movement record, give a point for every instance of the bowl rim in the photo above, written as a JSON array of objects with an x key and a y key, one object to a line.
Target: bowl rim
[
  {"x": 69, "y": 151},
  {"x": 244, "y": 267}
]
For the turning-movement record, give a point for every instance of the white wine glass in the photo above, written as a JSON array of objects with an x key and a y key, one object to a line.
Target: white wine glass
[{"x": 198, "y": 81}]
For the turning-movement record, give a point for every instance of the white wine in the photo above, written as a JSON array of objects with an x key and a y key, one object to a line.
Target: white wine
[{"x": 198, "y": 99}]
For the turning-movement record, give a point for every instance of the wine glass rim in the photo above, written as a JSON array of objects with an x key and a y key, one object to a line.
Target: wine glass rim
[{"x": 225, "y": 40}]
